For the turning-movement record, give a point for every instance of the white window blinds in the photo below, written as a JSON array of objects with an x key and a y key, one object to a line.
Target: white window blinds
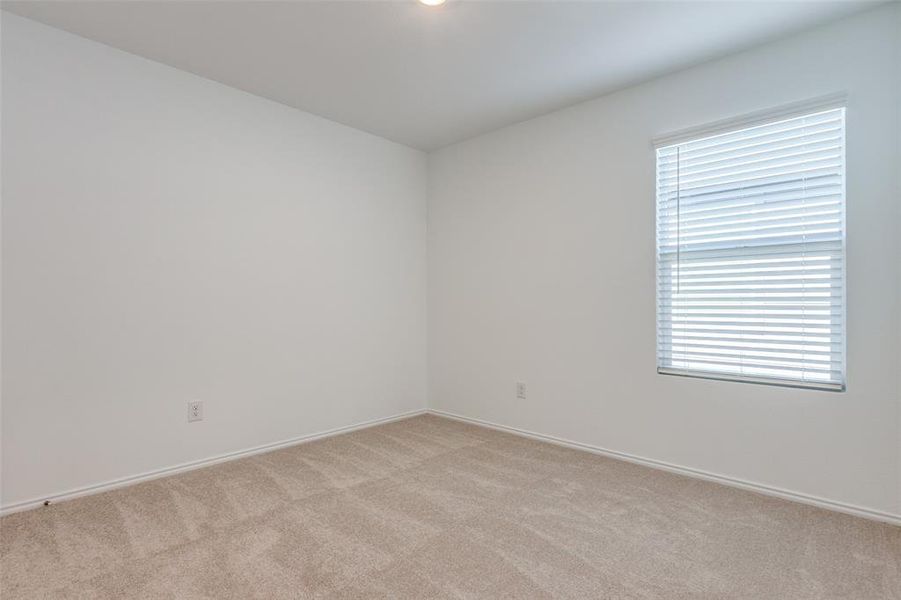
[{"x": 750, "y": 253}]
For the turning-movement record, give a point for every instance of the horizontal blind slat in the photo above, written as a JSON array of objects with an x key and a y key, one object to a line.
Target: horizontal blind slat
[
  {"x": 752, "y": 343},
  {"x": 775, "y": 129},
  {"x": 803, "y": 138},
  {"x": 712, "y": 359},
  {"x": 773, "y": 159},
  {"x": 804, "y": 187}
]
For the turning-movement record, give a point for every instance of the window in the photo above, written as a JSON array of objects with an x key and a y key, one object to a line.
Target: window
[{"x": 750, "y": 253}]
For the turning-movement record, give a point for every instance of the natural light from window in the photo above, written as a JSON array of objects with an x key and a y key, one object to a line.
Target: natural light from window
[{"x": 750, "y": 253}]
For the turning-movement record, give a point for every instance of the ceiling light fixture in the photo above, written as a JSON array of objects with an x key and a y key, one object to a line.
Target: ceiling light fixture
[{"x": 432, "y": 2}]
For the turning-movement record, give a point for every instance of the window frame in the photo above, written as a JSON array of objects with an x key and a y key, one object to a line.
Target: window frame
[{"x": 784, "y": 112}]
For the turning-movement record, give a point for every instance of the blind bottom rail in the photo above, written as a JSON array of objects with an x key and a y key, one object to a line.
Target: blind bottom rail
[{"x": 795, "y": 383}]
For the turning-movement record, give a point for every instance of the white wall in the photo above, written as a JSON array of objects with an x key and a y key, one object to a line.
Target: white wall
[
  {"x": 272, "y": 264},
  {"x": 541, "y": 269},
  {"x": 166, "y": 238}
]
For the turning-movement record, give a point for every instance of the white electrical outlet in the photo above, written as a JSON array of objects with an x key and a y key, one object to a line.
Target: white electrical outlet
[
  {"x": 520, "y": 390},
  {"x": 195, "y": 411}
]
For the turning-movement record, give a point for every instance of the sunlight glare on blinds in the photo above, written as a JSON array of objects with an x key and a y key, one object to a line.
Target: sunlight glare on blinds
[{"x": 750, "y": 253}]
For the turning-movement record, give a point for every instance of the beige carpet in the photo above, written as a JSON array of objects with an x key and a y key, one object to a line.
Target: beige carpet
[{"x": 433, "y": 508}]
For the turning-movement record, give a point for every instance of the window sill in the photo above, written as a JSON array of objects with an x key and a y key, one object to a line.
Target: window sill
[{"x": 792, "y": 383}]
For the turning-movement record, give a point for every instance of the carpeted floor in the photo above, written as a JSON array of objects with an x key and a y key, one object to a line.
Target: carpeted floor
[{"x": 433, "y": 508}]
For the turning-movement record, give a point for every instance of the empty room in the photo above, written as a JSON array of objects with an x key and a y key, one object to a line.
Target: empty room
[{"x": 450, "y": 299}]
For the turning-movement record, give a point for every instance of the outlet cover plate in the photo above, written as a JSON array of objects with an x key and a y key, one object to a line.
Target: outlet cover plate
[{"x": 195, "y": 411}]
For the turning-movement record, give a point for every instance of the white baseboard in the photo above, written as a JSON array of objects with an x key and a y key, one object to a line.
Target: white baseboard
[
  {"x": 858, "y": 511},
  {"x": 197, "y": 464},
  {"x": 842, "y": 507}
]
